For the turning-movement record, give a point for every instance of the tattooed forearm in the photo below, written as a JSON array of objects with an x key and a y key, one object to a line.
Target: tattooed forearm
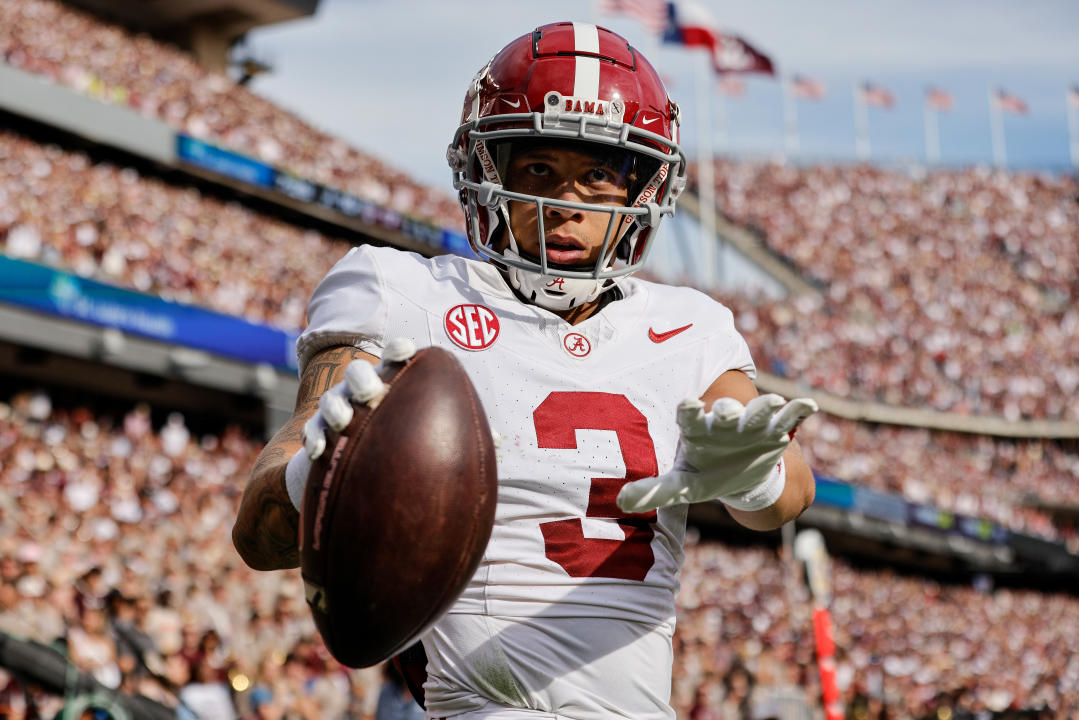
[
  {"x": 266, "y": 536},
  {"x": 267, "y": 525},
  {"x": 322, "y": 373},
  {"x": 273, "y": 454}
]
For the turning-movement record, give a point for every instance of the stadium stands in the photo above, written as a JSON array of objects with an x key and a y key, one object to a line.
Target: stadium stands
[
  {"x": 114, "y": 534},
  {"x": 114, "y": 65},
  {"x": 950, "y": 290},
  {"x": 113, "y": 224},
  {"x": 908, "y": 647},
  {"x": 116, "y": 225},
  {"x": 971, "y": 475}
]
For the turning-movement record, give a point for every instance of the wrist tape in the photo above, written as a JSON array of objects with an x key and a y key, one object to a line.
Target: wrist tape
[
  {"x": 296, "y": 477},
  {"x": 762, "y": 496}
]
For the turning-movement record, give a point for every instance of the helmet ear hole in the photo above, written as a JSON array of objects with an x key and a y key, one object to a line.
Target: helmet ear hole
[
  {"x": 498, "y": 228},
  {"x": 624, "y": 249}
]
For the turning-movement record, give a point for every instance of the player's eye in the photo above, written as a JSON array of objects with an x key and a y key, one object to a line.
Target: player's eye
[
  {"x": 538, "y": 169},
  {"x": 600, "y": 176}
]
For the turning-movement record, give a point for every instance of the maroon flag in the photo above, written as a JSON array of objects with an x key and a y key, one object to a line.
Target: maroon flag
[
  {"x": 1009, "y": 103},
  {"x": 808, "y": 88},
  {"x": 1073, "y": 96},
  {"x": 733, "y": 54},
  {"x": 731, "y": 85},
  {"x": 939, "y": 100},
  {"x": 876, "y": 96},
  {"x": 650, "y": 13}
]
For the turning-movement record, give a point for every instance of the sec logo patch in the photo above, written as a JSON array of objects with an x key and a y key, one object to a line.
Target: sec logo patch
[
  {"x": 472, "y": 327},
  {"x": 576, "y": 345}
]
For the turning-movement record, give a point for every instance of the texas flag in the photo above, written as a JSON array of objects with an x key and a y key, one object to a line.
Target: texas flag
[{"x": 690, "y": 24}]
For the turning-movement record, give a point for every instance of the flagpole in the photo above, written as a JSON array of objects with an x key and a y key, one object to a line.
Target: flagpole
[
  {"x": 1073, "y": 127},
  {"x": 932, "y": 136},
  {"x": 861, "y": 124},
  {"x": 996, "y": 127},
  {"x": 790, "y": 119},
  {"x": 721, "y": 123},
  {"x": 706, "y": 187}
]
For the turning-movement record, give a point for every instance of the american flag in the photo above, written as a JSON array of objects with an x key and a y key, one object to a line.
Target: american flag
[
  {"x": 808, "y": 88},
  {"x": 939, "y": 100},
  {"x": 731, "y": 85},
  {"x": 1073, "y": 96},
  {"x": 1009, "y": 103},
  {"x": 652, "y": 14},
  {"x": 876, "y": 96}
]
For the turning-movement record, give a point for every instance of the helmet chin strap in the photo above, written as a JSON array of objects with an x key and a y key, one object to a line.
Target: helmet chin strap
[{"x": 548, "y": 291}]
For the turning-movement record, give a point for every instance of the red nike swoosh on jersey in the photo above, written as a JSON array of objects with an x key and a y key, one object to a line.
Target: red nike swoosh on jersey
[{"x": 661, "y": 337}]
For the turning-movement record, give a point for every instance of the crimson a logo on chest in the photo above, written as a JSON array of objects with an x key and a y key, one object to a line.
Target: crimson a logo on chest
[
  {"x": 472, "y": 327},
  {"x": 576, "y": 345}
]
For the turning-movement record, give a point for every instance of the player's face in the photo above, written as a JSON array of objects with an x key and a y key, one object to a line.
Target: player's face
[{"x": 572, "y": 236}]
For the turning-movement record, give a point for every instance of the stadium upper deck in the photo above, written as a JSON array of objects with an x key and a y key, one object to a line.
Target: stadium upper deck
[
  {"x": 952, "y": 290},
  {"x": 157, "y": 79},
  {"x": 116, "y": 225}
]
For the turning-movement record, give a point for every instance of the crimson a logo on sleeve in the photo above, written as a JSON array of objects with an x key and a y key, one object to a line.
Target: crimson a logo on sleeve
[{"x": 473, "y": 327}]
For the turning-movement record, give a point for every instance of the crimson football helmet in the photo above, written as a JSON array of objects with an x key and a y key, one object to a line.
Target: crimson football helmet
[{"x": 567, "y": 83}]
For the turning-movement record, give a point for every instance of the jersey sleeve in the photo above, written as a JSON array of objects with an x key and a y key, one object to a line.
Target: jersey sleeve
[
  {"x": 730, "y": 350},
  {"x": 347, "y": 308}
]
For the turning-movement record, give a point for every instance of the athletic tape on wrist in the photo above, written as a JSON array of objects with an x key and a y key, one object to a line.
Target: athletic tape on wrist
[
  {"x": 762, "y": 496},
  {"x": 296, "y": 477}
]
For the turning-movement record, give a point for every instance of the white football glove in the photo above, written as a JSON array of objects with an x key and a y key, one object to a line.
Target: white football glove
[
  {"x": 362, "y": 384},
  {"x": 730, "y": 453}
]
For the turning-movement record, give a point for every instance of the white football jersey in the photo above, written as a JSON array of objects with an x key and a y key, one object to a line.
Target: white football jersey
[{"x": 572, "y": 608}]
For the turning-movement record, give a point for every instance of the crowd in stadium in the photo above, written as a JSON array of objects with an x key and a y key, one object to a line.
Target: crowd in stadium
[
  {"x": 950, "y": 290},
  {"x": 907, "y": 647},
  {"x": 114, "y": 541},
  {"x": 115, "y": 225},
  {"x": 974, "y": 475},
  {"x": 112, "y": 64}
]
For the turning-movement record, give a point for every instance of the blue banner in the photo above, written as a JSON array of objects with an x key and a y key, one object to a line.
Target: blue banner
[
  {"x": 880, "y": 506},
  {"x": 834, "y": 493},
  {"x": 224, "y": 162},
  {"x": 46, "y": 290},
  {"x": 894, "y": 509},
  {"x": 245, "y": 169}
]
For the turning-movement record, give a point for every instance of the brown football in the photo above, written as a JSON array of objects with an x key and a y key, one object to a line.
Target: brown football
[{"x": 398, "y": 510}]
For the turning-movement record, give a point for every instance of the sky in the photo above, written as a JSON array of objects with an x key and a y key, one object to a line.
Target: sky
[{"x": 389, "y": 76}]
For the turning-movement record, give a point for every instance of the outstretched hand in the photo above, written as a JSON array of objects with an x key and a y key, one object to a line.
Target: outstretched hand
[{"x": 726, "y": 453}]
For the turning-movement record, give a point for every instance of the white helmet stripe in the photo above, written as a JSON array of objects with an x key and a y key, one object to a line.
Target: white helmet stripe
[{"x": 586, "y": 72}]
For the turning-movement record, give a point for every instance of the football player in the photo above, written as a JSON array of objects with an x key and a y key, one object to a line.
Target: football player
[{"x": 617, "y": 401}]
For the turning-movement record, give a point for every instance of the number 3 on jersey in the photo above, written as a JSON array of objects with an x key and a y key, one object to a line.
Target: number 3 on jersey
[{"x": 557, "y": 419}]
